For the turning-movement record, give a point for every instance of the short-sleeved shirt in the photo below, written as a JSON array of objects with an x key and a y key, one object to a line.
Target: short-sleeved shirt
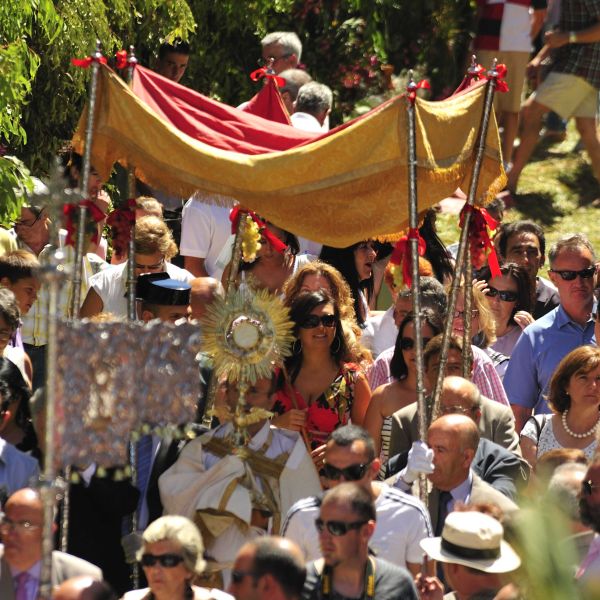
[
  {"x": 505, "y": 25},
  {"x": 402, "y": 522},
  {"x": 391, "y": 583},
  {"x": 542, "y": 345},
  {"x": 582, "y": 60}
]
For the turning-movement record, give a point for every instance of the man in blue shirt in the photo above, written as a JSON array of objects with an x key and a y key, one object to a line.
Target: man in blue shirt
[{"x": 548, "y": 340}]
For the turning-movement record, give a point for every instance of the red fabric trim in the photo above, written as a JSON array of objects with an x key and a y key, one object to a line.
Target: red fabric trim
[
  {"x": 268, "y": 103},
  {"x": 487, "y": 42}
]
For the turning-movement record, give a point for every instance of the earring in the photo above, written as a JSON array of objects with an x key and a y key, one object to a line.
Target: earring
[
  {"x": 297, "y": 347},
  {"x": 339, "y": 346}
]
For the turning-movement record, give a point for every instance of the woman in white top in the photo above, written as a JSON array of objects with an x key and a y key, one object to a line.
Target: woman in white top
[
  {"x": 172, "y": 556},
  {"x": 574, "y": 398},
  {"x": 154, "y": 247}
]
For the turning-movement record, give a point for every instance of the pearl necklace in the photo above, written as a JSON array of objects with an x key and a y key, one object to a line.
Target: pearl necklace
[{"x": 577, "y": 435}]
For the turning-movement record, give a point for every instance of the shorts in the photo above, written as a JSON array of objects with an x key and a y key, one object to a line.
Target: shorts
[
  {"x": 567, "y": 95},
  {"x": 516, "y": 63}
]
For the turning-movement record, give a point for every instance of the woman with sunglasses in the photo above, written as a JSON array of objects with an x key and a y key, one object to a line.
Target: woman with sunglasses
[
  {"x": 318, "y": 390},
  {"x": 402, "y": 391},
  {"x": 172, "y": 557},
  {"x": 154, "y": 248},
  {"x": 574, "y": 398},
  {"x": 355, "y": 263},
  {"x": 510, "y": 300}
]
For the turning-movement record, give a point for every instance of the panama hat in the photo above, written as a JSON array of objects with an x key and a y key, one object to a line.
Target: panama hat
[{"x": 473, "y": 539}]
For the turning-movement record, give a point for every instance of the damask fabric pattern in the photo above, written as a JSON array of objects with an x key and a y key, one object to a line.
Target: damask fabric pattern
[
  {"x": 350, "y": 183},
  {"x": 115, "y": 377}
]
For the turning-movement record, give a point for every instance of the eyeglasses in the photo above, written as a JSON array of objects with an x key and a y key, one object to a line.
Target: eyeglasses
[
  {"x": 29, "y": 222},
  {"x": 461, "y": 313},
  {"x": 153, "y": 267},
  {"x": 337, "y": 528},
  {"x": 588, "y": 487},
  {"x": 571, "y": 275},
  {"x": 457, "y": 409},
  {"x": 166, "y": 560},
  {"x": 20, "y": 526},
  {"x": 351, "y": 473},
  {"x": 238, "y": 576},
  {"x": 313, "y": 321},
  {"x": 270, "y": 60},
  {"x": 407, "y": 343},
  {"x": 504, "y": 295}
]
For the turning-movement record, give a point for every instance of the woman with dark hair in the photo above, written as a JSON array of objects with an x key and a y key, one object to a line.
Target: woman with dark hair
[
  {"x": 402, "y": 391},
  {"x": 574, "y": 398},
  {"x": 435, "y": 252},
  {"x": 355, "y": 263},
  {"x": 274, "y": 263},
  {"x": 14, "y": 409},
  {"x": 321, "y": 390},
  {"x": 510, "y": 300}
]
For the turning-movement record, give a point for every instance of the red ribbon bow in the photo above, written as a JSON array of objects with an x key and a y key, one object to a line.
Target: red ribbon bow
[
  {"x": 479, "y": 73},
  {"x": 122, "y": 62},
  {"x": 422, "y": 85},
  {"x": 479, "y": 238},
  {"x": 501, "y": 85},
  {"x": 121, "y": 220},
  {"x": 85, "y": 63},
  {"x": 274, "y": 241},
  {"x": 70, "y": 211},
  {"x": 401, "y": 254},
  {"x": 264, "y": 72}
]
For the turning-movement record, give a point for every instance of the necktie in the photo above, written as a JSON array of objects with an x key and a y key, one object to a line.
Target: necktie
[
  {"x": 444, "y": 501},
  {"x": 592, "y": 555},
  {"x": 22, "y": 579},
  {"x": 144, "y": 463}
]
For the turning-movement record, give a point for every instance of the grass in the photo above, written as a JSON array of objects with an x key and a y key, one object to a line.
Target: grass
[{"x": 556, "y": 190}]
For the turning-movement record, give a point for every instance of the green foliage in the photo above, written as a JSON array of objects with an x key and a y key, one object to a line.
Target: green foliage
[{"x": 15, "y": 182}]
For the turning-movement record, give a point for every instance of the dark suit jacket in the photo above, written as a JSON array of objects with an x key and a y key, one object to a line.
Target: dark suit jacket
[
  {"x": 503, "y": 470},
  {"x": 497, "y": 424},
  {"x": 481, "y": 492},
  {"x": 64, "y": 566}
]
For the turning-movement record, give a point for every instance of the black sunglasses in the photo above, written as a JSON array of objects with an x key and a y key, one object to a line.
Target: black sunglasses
[
  {"x": 588, "y": 487},
  {"x": 570, "y": 275},
  {"x": 408, "y": 343},
  {"x": 238, "y": 576},
  {"x": 166, "y": 560},
  {"x": 504, "y": 295},
  {"x": 313, "y": 321},
  {"x": 337, "y": 528},
  {"x": 351, "y": 473}
]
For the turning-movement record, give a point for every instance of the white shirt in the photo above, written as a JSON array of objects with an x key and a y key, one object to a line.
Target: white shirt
[
  {"x": 380, "y": 332},
  {"x": 205, "y": 229},
  {"x": 111, "y": 285},
  {"x": 402, "y": 522},
  {"x": 305, "y": 122}
]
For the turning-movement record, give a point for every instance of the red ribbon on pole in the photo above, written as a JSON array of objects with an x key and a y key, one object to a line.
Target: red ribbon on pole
[
  {"x": 401, "y": 255},
  {"x": 121, "y": 220},
  {"x": 501, "y": 85},
  {"x": 422, "y": 85},
  {"x": 84, "y": 63},
  {"x": 482, "y": 247},
  {"x": 70, "y": 212},
  {"x": 122, "y": 62},
  {"x": 274, "y": 241},
  {"x": 479, "y": 73},
  {"x": 264, "y": 72}
]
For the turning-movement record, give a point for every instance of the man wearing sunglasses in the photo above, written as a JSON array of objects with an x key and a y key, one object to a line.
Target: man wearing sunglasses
[
  {"x": 544, "y": 343},
  {"x": 402, "y": 519},
  {"x": 345, "y": 524},
  {"x": 21, "y": 527},
  {"x": 588, "y": 573}
]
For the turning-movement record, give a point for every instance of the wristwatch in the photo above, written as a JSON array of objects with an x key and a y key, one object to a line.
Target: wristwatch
[{"x": 572, "y": 37}]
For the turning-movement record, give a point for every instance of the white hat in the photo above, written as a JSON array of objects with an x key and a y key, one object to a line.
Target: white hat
[{"x": 475, "y": 540}]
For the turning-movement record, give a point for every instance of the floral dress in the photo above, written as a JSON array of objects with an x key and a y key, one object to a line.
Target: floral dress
[{"x": 329, "y": 411}]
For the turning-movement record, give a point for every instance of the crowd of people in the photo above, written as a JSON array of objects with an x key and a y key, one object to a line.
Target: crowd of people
[{"x": 334, "y": 494}]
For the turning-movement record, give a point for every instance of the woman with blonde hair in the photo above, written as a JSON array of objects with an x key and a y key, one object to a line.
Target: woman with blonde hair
[
  {"x": 172, "y": 555},
  {"x": 574, "y": 398},
  {"x": 154, "y": 248}
]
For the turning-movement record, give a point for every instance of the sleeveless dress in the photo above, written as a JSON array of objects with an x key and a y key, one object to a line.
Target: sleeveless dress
[{"x": 329, "y": 411}]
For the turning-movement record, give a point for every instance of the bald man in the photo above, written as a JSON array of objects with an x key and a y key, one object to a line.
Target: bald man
[
  {"x": 452, "y": 442},
  {"x": 20, "y": 568},
  {"x": 83, "y": 587}
]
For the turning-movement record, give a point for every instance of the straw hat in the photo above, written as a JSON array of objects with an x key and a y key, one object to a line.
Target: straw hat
[{"x": 475, "y": 540}]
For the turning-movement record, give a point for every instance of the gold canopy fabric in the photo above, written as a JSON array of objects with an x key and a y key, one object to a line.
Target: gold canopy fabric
[{"x": 347, "y": 186}]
